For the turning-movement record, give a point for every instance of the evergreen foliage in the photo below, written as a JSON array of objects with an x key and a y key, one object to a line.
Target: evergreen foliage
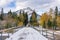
[{"x": 33, "y": 19}]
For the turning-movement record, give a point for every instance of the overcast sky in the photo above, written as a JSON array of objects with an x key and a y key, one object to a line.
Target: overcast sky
[{"x": 39, "y": 5}]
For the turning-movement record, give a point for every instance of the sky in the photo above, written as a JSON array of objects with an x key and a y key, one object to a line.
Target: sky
[{"x": 39, "y": 5}]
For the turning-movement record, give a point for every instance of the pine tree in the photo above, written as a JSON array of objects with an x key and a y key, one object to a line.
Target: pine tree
[
  {"x": 14, "y": 15},
  {"x": 2, "y": 14},
  {"x": 54, "y": 21},
  {"x": 10, "y": 14},
  {"x": 44, "y": 25},
  {"x": 33, "y": 19},
  {"x": 26, "y": 19},
  {"x": 56, "y": 11},
  {"x": 21, "y": 18},
  {"x": 49, "y": 23}
]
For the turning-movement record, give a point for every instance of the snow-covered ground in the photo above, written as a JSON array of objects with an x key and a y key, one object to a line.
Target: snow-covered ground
[{"x": 27, "y": 33}]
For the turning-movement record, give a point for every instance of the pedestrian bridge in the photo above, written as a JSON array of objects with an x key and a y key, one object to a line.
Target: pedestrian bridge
[{"x": 27, "y": 33}]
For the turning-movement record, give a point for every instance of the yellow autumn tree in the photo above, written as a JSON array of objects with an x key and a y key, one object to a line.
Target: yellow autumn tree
[
  {"x": 58, "y": 21},
  {"x": 43, "y": 18},
  {"x": 21, "y": 19},
  {"x": 33, "y": 19}
]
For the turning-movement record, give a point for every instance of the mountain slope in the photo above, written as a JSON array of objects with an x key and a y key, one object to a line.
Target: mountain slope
[{"x": 29, "y": 12}]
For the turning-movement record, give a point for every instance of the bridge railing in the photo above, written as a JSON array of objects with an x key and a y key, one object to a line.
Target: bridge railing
[
  {"x": 4, "y": 35},
  {"x": 46, "y": 33}
]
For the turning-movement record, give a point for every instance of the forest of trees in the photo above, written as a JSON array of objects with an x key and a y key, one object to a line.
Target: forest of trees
[
  {"x": 13, "y": 19},
  {"x": 49, "y": 19}
]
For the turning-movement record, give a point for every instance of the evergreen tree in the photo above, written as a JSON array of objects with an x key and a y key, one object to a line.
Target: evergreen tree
[
  {"x": 8, "y": 25},
  {"x": 26, "y": 19},
  {"x": 2, "y": 14},
  {"x": 10, "y": 14},
  {"x": 33, "y": 19},
  {"x": 54, "y": 24},
  {"x": 14, "y": 15},
  {"x": 21, "y": 18},
  {"x": 54, "y": 21},
  {"x": 49, "y": 23},
  {"x": 44, "y": 25},
  {"x": 56, "y": 11}
]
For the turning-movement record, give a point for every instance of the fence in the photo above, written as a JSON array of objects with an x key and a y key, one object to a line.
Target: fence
[
  {"x": 46, "y": 33},
  {"x": 4, "y": 36},
  {"x": 49, "y": 35}
]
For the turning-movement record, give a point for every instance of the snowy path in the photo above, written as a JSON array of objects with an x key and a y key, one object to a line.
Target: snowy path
[{"x": 27, "y": 33}]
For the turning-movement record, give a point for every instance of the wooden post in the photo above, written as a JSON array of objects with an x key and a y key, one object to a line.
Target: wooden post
[
  {"x": 53, "y": 36},
  {"x": 42, "y": 30},
  {"x": 1, "y": 35},
  {"x": 46, "y": 33},
  {"x": 46, "y": 28},
  {"x": 8, "y": 35}
]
